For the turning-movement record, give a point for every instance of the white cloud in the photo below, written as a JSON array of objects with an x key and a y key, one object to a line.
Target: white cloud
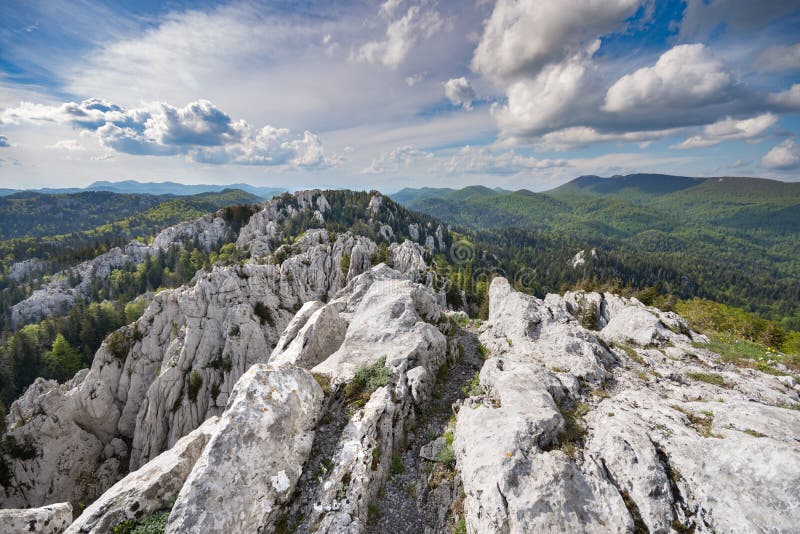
[
  {"x": 546, "y": 101},
  {"x": 523, "y": 36},
  {"x": 730, "y": 129},
  {"x": 401, "y": 158},
  {"x": 481, "y": 160},
  {"x": 684, "y": 76},
  {"x": 71, "y": 145},
  {"x": 790, "y": 98},
  {"x": 783, "y": 157},
  {"x": 581, "y": 136},
  {"x": 418, "y": 24},
  {"x": 200, "y": 131},
  {"x": 779, "y": 58},
  {"x": 460, "y": 92}
]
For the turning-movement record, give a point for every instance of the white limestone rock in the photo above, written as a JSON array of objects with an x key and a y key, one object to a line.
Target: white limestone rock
[
  {"x": 313, "y": 334},
  {"x": 390, "y": 323},
  {"x": 50, "y": 519},
  {"x": 253, "y": 460},
  {"x": 151, "y": 488}
]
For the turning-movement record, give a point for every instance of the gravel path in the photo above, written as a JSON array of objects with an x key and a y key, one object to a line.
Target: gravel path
[{"x": 397, "y": 508}]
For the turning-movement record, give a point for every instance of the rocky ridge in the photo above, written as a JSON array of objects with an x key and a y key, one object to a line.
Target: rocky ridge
[{"x": 309, "y": 390}]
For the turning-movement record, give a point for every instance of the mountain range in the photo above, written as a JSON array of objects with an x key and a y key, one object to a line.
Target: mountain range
[{"x": 156, "y": 188}]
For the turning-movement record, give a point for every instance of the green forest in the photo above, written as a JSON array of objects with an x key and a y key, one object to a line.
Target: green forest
[{"x": 732, "y": 240}]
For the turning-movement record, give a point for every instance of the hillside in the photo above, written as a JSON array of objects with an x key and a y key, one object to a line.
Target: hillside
[
  {"x": 730, "y": 239},
  {"x": 316, "y": 380}
]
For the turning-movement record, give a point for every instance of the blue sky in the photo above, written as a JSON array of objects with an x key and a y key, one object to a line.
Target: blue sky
[{"x": 516, "y": 93}]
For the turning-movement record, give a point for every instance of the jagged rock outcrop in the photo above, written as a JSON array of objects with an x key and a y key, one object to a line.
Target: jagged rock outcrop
[
  {"x": 620, "y": 440},
  {"x": 149, "y": 489},
  {"x": 252, "y": 462},
  {"x": 51, "y": 519},
  {"x": 155, "y": 381},
  {"x": 72, "y": 285},
  {"x": 21, "y": 270}
]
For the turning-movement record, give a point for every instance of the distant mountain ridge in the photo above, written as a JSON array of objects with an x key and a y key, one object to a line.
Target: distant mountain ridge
[{"x": 156, "y": 188}]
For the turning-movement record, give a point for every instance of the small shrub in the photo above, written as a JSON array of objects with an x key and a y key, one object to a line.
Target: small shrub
[
  {"x": 473, "y": 388},
  {"x": 345, "y": 264},
  {"x": 195, "y": 383},
  {"x": 754, "y": 433},
  {"x": 461, "y": 526},
  {"x": 373, "y": 514},
  {"x": 396, "y": 467},
  {"x": 447, "y": 456},
  {"x": 118, "y": 345},
  {"x": 367, "y": 379},
  {"x": 483, "y": 351},
  {"x": 263, "y": 313},
  {"x": 154, "y": 524}
]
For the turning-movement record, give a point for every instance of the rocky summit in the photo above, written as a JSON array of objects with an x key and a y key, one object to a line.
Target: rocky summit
[{"x": 323, "y": 384}]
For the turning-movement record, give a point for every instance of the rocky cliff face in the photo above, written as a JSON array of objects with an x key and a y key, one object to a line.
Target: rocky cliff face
[{"x": 309, "y": 390}]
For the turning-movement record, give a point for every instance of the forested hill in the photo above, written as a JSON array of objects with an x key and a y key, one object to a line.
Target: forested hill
[
  {"x": 33, "y": 214},
  {"x": 735, "y": 240}
]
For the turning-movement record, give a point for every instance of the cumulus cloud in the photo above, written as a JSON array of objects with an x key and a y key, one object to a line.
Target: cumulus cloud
[
  {"x": 521, "y": 37},
  {"x": 200, "y": 131},
  {"x": 460, "y": 92},
  {"x": 4, "y": 141},
  {"x": 546, "y": 101},
  {"x": 684, "y": 76},
  {"x": 419, "y": 23},
  {"x": 481, "y": 160},
  {"x": 730, "y": 129},
  {"x": 789, "y": 99},
  {"x": 396, "y": 160},
  {"x": 783, "y": 157},
  {"x": 779, "y": 58}
]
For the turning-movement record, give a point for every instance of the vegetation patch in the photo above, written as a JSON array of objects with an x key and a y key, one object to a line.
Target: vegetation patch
[
  {"x": 630, "y": 351},
  {"x": 396, "y": 467},
  {"x": 573, "y": 433},
  {"x": 194, "y": 385},
  {"x": 702, "y": 422},
  {"x": 366, "y": 381},
  {"x": 473, "y": 388},
  {"x": 447, "y": 455},
  {"x": 153, "y": 524},
  {"x": 264, "y": 314},
  {"x": 710, "y": 378},
  {"x": 754, "y": 433}
]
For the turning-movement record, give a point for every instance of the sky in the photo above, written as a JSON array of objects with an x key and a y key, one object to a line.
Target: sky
[{"x": 399, "y": 93}]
